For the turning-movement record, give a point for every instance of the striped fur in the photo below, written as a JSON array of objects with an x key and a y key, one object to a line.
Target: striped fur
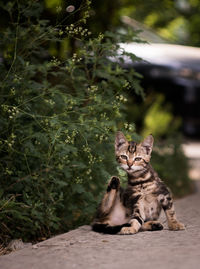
[{"x": 138, "y": 207}]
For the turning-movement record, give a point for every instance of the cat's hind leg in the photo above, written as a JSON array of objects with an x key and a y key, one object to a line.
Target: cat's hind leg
[
  {"x": 109, "y": 198},
  {"x": 152, "y": 225},
  {"x": 102, "y": 222},
  {"x": 108, "y": 201},
  {"x": 136, "y": 221}
]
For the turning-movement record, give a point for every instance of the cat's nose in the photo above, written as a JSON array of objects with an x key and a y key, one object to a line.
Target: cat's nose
[{"x": 129, "y": 163}]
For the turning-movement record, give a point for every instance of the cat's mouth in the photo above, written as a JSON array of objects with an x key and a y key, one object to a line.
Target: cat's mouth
[
  {"x": 134, "y": 168},
  {"x": 131, "y": 169}
]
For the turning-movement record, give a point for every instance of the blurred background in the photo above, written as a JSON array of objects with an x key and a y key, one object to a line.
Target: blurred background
[
  {"x": 170, "y": 65},
  {"x": 75, "y": 72}
]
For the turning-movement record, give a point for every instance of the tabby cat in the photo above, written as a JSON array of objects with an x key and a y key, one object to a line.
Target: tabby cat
[{"x": 136, "y": 208}]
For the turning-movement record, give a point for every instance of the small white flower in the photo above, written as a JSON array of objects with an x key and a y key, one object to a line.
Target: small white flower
[{"x": 70, "y": 8}]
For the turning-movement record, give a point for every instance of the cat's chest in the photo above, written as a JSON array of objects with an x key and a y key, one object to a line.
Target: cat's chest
[
  {"x": 148, "y": 199},
  {"x": 145, "y": 190}
]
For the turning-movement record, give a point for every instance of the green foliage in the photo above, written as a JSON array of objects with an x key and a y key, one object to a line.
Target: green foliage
[
  {"x": 159, "y": 119},
  {"x": 57, "y": 123}
]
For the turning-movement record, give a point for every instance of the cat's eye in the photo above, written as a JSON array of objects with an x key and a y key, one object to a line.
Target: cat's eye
[
  {"x": 124, "y": 157},
  {"x": 138, "y": 159}
]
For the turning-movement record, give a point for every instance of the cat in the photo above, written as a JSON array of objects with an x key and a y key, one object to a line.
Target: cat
[{"x": 138, "y": 206}]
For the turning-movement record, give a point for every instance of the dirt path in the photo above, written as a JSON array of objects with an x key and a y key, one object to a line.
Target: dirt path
[{"x": 82, "y": 248}]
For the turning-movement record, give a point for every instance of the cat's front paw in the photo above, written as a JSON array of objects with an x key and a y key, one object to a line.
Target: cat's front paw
[
  {"x": 176, "y": 226},
  {"x": 128, "y": 230},
  {"x": 114, "y": 183}
]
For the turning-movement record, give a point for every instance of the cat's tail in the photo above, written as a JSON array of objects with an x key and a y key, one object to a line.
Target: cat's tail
[{"x": 107, "y": 229}]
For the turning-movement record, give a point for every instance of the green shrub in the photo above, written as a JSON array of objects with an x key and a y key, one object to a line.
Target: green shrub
[{"x": 57, "y": 123}]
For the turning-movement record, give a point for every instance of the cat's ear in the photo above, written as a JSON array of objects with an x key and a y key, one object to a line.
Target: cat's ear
[
  {"x": 120, "y": 141},
  {"x": 148, "y": 144}
]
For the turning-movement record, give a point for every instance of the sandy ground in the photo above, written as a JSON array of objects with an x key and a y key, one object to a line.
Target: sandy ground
[{"x": 82, "y": 248}]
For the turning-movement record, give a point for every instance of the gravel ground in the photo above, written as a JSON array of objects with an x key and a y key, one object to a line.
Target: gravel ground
[{"x": 82, "y": 248}]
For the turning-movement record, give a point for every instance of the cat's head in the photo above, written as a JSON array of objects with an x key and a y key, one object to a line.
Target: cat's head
[{"x": 132, "y": 156}]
